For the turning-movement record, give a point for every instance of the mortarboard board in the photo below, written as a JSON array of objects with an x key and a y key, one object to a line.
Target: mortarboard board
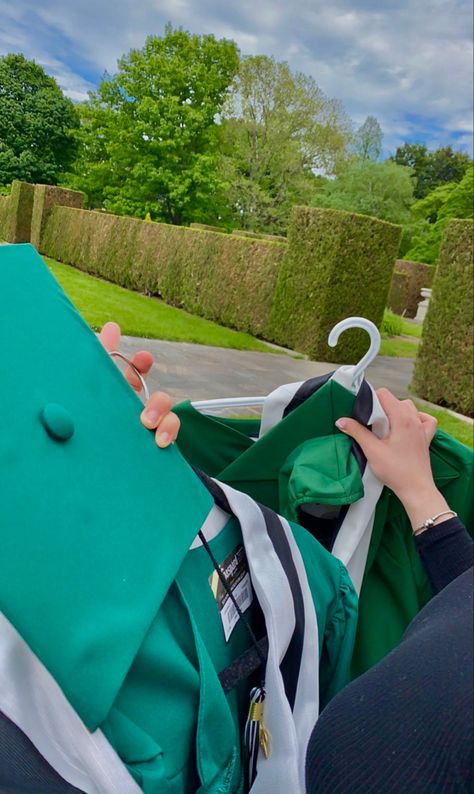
[{"x": 92, "y": 534}]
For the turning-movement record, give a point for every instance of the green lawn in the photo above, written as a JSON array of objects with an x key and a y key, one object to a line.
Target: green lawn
[
  {"x": 411, "y": 329},
  {"x": 393, "y": 330},
  {"x": 100, "y": 301},
  {"x": 398, "y": 347}
]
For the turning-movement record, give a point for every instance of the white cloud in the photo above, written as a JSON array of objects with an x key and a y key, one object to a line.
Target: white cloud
[{"x": 408, "y": 63}]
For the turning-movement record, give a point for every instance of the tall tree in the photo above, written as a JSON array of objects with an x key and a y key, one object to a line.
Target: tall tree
[
  {"x": 431, "y": 169},
  {"x": 36, "y": 123},
  {"x": 384, "y": 190},
  {"x": 149, "y": 133},
  {"x": 278, "y": 128},
  {"x": 368, "y": 140},
  {"x": 432, "y": 213}
]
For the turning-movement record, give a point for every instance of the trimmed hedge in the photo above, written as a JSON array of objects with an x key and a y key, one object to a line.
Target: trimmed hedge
[
  {"x": 217, "y": 276},
  {"x": 15, "y": 213},
  {"x": 398, "y": 295},
  {"x": 443, "y": 368},
  {"x": 45, "y": 198},
  {"x": 419, "y": 275},
  {"x": 204, "y": 227},
  {"x": 4, "y": 207},
  {"x": 277, "y": 238},
  {"x": 337, "y": 264}
]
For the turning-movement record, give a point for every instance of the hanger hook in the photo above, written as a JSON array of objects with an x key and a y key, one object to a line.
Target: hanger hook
[{"x": 375, "y": 339}]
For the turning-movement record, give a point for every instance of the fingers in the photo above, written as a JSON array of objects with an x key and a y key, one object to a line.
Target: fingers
[
  {"x": 364, "y": 437},
  {"x": 429, "y": 424},
  {"x": 157, "y": 416},
  {"x": 143, "y": 361},
  {"x": 110, "y": 336},
  {"x": 390, "y": 405},
  {"x": 156, "y": 408},
  {"x": 167, "y": 430}
]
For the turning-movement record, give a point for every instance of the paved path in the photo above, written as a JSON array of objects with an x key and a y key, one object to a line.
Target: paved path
[{"x": 200, "y": 372}]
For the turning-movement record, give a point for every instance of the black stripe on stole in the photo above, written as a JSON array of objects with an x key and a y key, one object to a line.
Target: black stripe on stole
[
  {"x": 307, "y": 389},
  {"x": 220, "y": 499},
  {"x": 291, "y": 663},
  {"x": 362, "y": 411}
]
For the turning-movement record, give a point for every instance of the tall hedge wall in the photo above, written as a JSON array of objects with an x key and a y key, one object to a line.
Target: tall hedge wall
[
  {"x": 46, "y": 197},
  {"x": 336, "y": 264},
  {"x": 222, "y": 277},
  {"x": 4, "y": 206},
  {"x": 418, "y": 275},
  {"x": 15, "y": 213},
  {"x": 277, "y": 238},
  {"x": 398, "y": 296},
  {"x": 443, "y": 369}
]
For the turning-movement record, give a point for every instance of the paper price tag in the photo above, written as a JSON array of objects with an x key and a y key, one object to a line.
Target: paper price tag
[{"x": 235, "y": 571}]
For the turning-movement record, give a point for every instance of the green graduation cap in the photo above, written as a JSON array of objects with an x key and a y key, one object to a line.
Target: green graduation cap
[{"x": 91, "y": 536}]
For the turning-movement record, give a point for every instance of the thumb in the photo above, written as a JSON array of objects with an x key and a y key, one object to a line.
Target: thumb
[{"x": 364, "y": 437}]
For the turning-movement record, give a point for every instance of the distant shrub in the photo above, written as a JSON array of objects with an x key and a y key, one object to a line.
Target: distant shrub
[
  {"x": 392, "y": 324},
  {"x": 336, "y": 264},
  {"x": 443, "y": 368},
  {"x": 419, "y": 275}
]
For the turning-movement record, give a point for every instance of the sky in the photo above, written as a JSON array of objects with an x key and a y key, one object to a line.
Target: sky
[{"x": 407, "y": 62}]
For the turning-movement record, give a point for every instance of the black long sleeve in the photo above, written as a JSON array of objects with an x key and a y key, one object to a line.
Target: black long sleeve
[
  {"x": 406, "y": 725},
  {"x": 446, "y": 551}
]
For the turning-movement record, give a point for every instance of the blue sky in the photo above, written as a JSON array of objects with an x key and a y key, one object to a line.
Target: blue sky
[{"x": 407, "y": 62}]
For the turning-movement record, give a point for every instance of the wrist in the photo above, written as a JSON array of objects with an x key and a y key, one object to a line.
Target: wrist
[{"x": 422, "y": 504}]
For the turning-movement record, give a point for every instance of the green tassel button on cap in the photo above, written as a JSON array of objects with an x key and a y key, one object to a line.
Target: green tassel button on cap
[{"x": 57, "y": 421}]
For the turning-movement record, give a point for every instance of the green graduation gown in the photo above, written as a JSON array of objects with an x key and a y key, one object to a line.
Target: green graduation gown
[{"x": 303, "y": 461}]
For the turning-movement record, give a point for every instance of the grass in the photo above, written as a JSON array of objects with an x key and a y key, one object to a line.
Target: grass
[
  {"x": 397, "y": 347},
  {"x": 460, "y": 430},
  {"x": 100, "y": 301},
  {"x": 409, "y": 328},
  {"x": 393, "y": 329}
]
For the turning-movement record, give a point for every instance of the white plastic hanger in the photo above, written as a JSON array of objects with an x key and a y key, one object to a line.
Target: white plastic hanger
[
  {"x": 357, "y": 375},
  {"x": 372, "y": 353},
  {"x": 228, "y": 402}
]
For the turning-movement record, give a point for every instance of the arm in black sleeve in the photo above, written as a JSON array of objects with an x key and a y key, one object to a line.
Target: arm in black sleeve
[{"x": 446, "y": 551}]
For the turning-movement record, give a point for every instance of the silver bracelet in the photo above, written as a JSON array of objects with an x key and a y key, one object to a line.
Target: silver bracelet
[{"x": 430, "y": 522}]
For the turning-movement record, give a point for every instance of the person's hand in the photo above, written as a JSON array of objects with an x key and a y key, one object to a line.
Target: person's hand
[
  {"x": 157, "y": 414},
  {"x": 401, "y": 460}
]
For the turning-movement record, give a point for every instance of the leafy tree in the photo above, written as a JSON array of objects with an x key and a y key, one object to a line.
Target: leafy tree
[
  {"x": 368, "y": 140},
  {"x": 36, "y": 123},
  {"x": 432, "y": 213},
  {"x": 149, "y": 134},
  {"x": 278, "y": 128},
  {"x": 431, "y": 169},
  {"x": 384, "y": 190}
]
